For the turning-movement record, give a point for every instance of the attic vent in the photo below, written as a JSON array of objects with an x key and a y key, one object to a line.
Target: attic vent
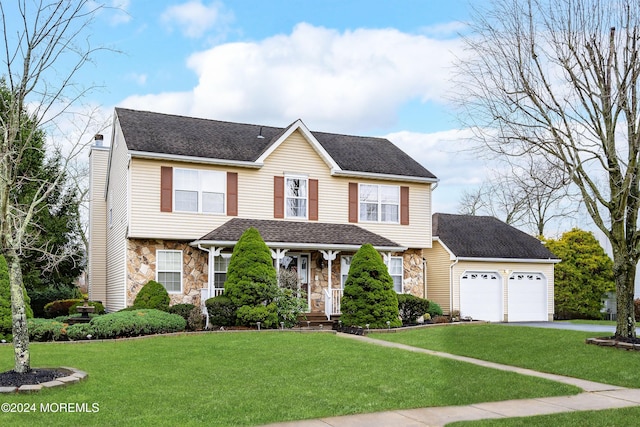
[{"x": 260, "y": 134}]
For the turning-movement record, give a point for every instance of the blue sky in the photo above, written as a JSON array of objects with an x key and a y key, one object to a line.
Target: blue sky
[{"x": 363, "y": 67}]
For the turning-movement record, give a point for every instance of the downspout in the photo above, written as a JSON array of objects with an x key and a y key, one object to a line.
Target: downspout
[
  {"x": 451, "y": 285},
  {"x": 209, "y": 280},
  {"x": 424, "y": 278}
]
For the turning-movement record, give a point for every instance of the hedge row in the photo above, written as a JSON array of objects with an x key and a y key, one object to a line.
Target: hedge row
[{"x": 122, "y": 324}]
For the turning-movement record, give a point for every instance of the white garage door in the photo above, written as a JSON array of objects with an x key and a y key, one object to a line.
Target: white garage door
[
  {"x": 527, "y": 300},
  {"x": 481, "y": 296}
]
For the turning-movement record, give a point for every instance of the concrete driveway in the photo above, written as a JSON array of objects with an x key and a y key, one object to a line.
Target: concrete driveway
[{"x": 566, "y": 325}]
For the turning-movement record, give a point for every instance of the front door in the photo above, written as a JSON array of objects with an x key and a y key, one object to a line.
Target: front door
[{"x": 294, "y": 275}]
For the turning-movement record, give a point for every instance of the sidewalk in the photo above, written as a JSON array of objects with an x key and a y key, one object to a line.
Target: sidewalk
[{"x": 595, "y": 396}]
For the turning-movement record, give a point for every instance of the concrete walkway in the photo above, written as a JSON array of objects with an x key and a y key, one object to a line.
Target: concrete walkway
[{"x": 596, "y": 396}]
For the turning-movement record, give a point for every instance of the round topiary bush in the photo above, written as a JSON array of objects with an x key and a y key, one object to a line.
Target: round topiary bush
[
  {"x": 222, "y": 312},
  {"x": 152, "y": 295},
  {"x": 369, "y": 297}
]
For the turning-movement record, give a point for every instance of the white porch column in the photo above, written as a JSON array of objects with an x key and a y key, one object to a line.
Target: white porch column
[
  {"x": 329, "y": 256},
  {"x": 277, "y": 255},
  {"x": 213, "y": 252}
]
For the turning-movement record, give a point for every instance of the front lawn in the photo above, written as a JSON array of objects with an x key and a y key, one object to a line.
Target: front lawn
[
  {"x": 253, "y": 378},
  {"x": 547, "y": 350}
]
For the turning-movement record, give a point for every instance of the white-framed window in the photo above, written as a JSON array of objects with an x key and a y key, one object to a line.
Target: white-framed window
[
  {"x": 396, "y": 270},
  {"x": 220, "y": 266},
  {"x": 169, "y": 270},
  {"x": 379, "y": 203},
  {"x": 199, "y": 191},
  {"x": 296, "y": 194},
  {"x": 345, "y": 264}
]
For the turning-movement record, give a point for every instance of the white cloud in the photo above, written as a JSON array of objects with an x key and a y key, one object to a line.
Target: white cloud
[
  {"x": 348, "y": 82},
  {"x": 140, "y": 79},
  {"x": 449, "y": 155},
  {"x": 195, "y": 19}
]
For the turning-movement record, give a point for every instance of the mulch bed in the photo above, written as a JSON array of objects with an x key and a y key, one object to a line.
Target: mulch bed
[{"x": 35, "y": 376}]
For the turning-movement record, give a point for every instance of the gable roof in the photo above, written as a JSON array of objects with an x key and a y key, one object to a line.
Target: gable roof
[
  {"x": 172, "y": 135},
  {"x": 470, "y": 236},
  {"x": 298, "y": 235}
]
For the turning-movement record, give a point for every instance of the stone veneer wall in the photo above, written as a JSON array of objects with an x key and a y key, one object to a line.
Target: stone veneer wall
[
  {"x": 141, "y": 267},
  {"x": 413, "y": 273}
]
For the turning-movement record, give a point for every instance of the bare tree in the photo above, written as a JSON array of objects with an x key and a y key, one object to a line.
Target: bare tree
[
  {"x": 528, "y": 195},
  {"x": 44, "y": 47},
  {"x": 559, "y": 79}
]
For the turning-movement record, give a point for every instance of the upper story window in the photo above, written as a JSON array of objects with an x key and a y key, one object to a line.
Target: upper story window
[
  {"x": 199, "y": 190},
  {"x": 379, "y": 203},
  {"x": 296, "y": 196}
]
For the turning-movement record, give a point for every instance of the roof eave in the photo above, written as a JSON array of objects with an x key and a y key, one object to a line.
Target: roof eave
[
  {"x": 300, "y": 246},
  {"x": 387, "y": 177},
  {"x": 194, "y": 159},
  {"x": 524, "y": 260}
]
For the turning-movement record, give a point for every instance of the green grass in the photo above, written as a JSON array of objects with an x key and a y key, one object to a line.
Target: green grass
[
  {"x": 547, "y": 350},
  {"x": 234, "y": 379}
]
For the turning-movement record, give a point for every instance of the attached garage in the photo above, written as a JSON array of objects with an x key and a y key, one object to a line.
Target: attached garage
[
  {"x": 481, "y": 296},
  {"x": 527, "y": 297},
  {"x": 489, "y": 270}
]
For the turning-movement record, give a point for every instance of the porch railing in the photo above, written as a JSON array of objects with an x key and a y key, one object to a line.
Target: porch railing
[{"x": 332, "y": 299}]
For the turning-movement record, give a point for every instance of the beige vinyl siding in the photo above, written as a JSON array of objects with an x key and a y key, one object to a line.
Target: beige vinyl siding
[
  {"x": 255, "y": 197},
  {"x": 117, "y": 230},
  {"x": 97, "y": 280},
  {"x": 438, "y": 276},
  {"x": 500, "y": 267}
]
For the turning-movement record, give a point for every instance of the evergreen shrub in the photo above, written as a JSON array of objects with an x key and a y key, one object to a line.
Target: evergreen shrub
[
  {"x": 40, "y": 298},
  {"x": 80, "y": 331},
  {"x": 222, "y": 312},
  {"x": 369, "y": 297},
  {"x": 46, "y": 330},
  {"x": 153, "y": 296},
  {"x": 191, "y": 314},
  {"x": 411, "y": 308},
  {"x": 267, "y": 315},
  {"x": 135, "y": 323},
  {"x": 434, "y": 309},
  {"x": 60, "y": 307}
]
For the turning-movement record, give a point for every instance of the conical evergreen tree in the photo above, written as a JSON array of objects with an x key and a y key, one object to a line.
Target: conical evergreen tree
[{"x": 369, "y": 297}]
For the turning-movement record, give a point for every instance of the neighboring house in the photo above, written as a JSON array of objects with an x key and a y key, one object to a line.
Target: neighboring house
[
  {"x": 172, "y": 195},
  {"x": 489, "y": 270}
]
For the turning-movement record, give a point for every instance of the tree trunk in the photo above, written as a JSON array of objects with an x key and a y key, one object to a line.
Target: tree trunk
[
  {"x": 19, "y": 318},
  {"x": 625, "y": 273}
]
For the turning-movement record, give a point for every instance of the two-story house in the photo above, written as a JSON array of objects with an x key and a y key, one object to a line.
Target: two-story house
[{"x": 172, "y": 195}]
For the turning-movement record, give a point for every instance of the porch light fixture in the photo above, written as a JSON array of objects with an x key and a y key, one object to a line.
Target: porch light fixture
[{"x": 320, "y": 262}]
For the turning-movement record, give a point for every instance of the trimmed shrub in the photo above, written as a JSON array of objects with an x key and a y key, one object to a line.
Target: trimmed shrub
[
  {"x": 222, "y": 312},
  {"x": 369, "y": 297},
  {"x": 46, "y": 330},
  {"x": 190, "y": 313},
  {"x": 636, "y": 306},
  {"x": 79, "y": 331},
  {"x": 434, "y": 309},
  {"x": 267, "y": 315},
  {"x": 6, "y": 323},
  {"x": 40, "y": 298},
  {"x": 411, "y": 307},
  {"x": 152, "y": 295},
  {"x": 99, "y": 308},
  {"x": 136, "y": 322},
  {"x": 60, "y": 307},
  {"x": 251, "y": 277}
]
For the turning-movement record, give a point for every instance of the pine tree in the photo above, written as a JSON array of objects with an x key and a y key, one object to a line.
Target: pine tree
[{"x": 369, "y": 297}]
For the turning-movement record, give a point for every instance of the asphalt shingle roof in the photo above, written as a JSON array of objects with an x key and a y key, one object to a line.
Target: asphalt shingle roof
[
  {"x": 486, "y": 237},
  {"x": 188, "y": 136},
  {"x": 321, "y": 234}
]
